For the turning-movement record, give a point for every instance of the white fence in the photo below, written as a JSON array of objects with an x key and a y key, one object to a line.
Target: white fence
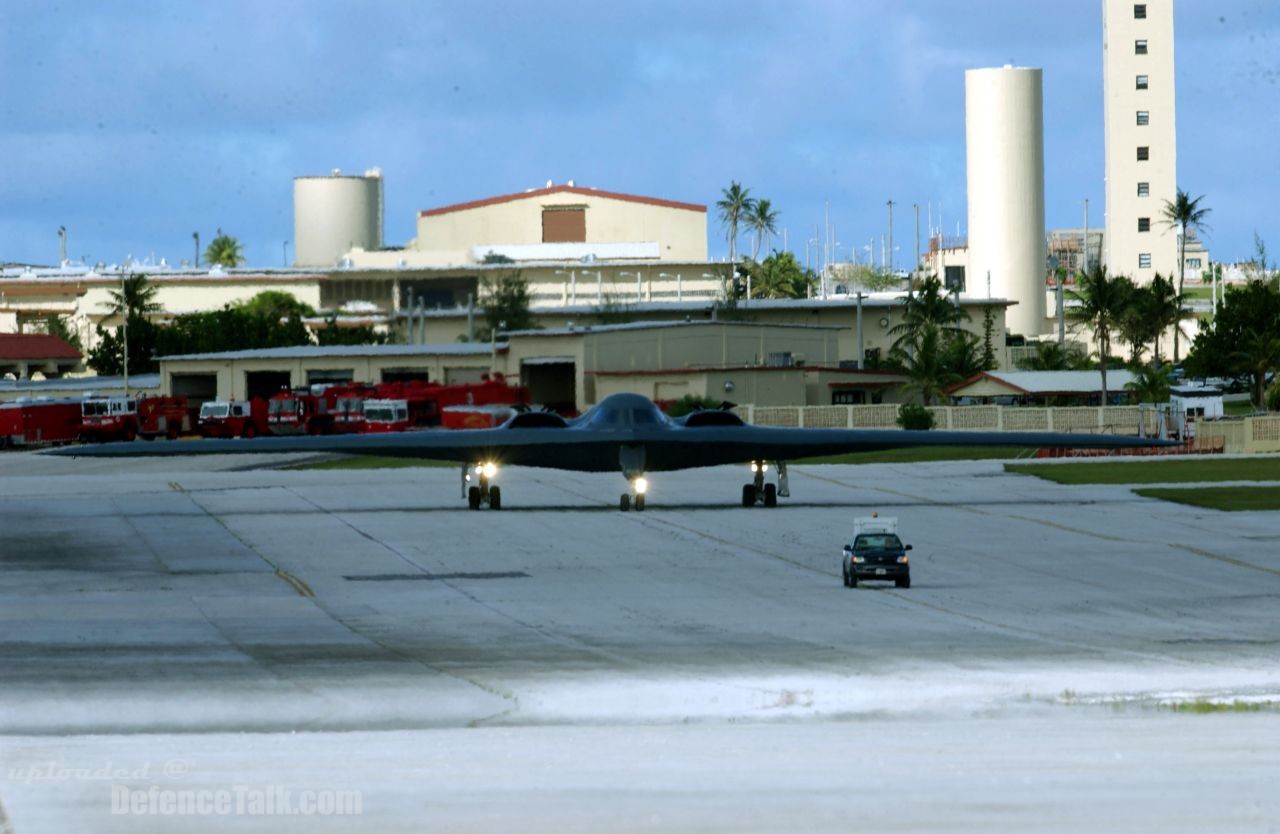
[{"x": 1111, "y": 420}]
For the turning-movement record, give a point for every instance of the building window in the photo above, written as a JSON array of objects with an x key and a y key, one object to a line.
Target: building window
[
  {"x": 1144, "y": 153},
  {"x": 848, "y": 397},
  {"x": 1144, "y": 260},
  {"x": 564, "y": 225},
  {"x": 1144, "y": 189},
  {"x": 1144, "y": 224},
  {"x": 1139, "y": 11},
  {"x": 1194, "y": 263},
  {"x": 1139, "y": 47},
  {"x": 1143, "y": 82},
  {"x": 953, "y": 279},
  {"x": 1144, "y": 118}
]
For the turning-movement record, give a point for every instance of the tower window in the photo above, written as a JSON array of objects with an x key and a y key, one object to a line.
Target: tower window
[
  {"x": 1144, "y": 224},
  {"x": 1143, "y": 82},
  {"x": 1139, "y": 47},
  {"x": 1144, "y": 117},
  {"x": 1144, "y": 260},
  {"x": 1144, "y": 189},
  {"x": 1144, "y": 153},
  {"x": 1139, "y": 11}
]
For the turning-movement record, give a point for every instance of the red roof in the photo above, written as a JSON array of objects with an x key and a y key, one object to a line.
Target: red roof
[
  {"x": 35, "y": 346},
  {"x": 562, "y": 189}
]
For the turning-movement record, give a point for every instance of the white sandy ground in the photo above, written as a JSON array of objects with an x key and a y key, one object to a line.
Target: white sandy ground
[{"x": 560, "y": 666}]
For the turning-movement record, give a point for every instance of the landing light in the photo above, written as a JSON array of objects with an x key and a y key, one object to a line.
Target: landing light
[
  {"x": 490, "y": 469},
  {"x": 641, "y": 486}
]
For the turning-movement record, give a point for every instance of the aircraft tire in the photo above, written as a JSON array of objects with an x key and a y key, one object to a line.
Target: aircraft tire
[
  {"x": 639, "y": 503},
  {"x": 771, "y": 495},
  {"x": 473, "y": 498},
  {"x": 495, "y": 498},
  {"x": 748, "y": 495},
  {"x": 624, "y": 503}
]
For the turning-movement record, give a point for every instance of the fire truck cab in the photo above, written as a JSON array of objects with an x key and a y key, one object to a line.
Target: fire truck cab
[
  {"x": 108, "y": 418},
  {"x": 219, "y": 418}
]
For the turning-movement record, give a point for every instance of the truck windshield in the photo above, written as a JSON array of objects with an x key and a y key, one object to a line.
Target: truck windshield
[
  {"x": 380, "y": 413},
  {"x": 92, "y": 409},
  {"x": 209, "y": 410},
  {"x": 877, "y": 541},
  {"x": 281, "y": 407}
]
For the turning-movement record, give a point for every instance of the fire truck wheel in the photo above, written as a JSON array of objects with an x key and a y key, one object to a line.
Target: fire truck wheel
[
  {"x": 495, "y": 498},
  {"x": 249, "y": 431},
  {"x": 130, "y": 433},
  {"x": 171, "y": 432},
  {"x": 473, "y": 498}
]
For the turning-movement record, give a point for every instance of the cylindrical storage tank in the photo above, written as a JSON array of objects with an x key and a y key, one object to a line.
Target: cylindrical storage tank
[
  {"x": 1004, "y": 149},
  {"x": 335, "y": 213}
]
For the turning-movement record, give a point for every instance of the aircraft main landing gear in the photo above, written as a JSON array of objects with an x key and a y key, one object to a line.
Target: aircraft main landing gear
[
  {"x": 477, "y": 487},
  {"x": 758, "y": 492},
  {"x": 634, "y": 498}
]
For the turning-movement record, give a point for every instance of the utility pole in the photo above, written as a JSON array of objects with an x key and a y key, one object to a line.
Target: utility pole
[
  {"x": 124, "y": 330},
  {"x": 915, "y": 268},
  {"x": 62, "y": 245},
  {"x": 890, "y": 204},
  {"x": 196, "y": 237}
]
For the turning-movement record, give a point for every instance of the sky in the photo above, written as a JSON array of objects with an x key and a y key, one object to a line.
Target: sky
[{"x": 135, "y": 125}]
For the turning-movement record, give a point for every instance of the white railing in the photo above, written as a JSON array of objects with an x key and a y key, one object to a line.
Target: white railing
[{"x": 1111, "y": 420}]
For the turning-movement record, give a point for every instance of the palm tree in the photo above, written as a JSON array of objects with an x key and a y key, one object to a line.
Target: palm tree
[
  {"x": 735, "y": 206},
  {"x": 136, "y": 296},
  {"x": 1151, "y": 382},
  {"x": 929, "y": 305},
  {"x": 1183, "y": 213},
  {"x": 1049, "y": 356},
  {"x": 922, "y": 355},
  {"x": 1103, "y": 300},
  {"x": 224, "y": 250},
  {"x": 763, "y": 222}
]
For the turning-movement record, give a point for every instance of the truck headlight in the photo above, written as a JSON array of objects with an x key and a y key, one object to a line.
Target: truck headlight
[{"x": 902, "y": 560}]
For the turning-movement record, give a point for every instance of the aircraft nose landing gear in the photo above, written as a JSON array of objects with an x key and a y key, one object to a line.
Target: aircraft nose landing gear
[
  {"x": 758, "y": 492},
  {"x": 477, "y": 487},
  {"x": 634, "y": 498}
]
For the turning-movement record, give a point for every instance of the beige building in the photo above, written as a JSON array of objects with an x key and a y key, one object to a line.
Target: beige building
[
  {"x": 1141, "y": 137},
  {"x": 744, "y": 362},
  {"x": 556, "y": 224}
]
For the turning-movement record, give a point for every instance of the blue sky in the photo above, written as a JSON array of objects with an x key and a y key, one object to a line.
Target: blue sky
[{"x": 136, "y": 124}]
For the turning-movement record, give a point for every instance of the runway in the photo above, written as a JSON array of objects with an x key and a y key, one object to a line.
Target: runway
[{"x": 558, "y": 665}]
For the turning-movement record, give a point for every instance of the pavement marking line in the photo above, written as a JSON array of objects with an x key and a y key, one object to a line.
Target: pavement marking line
[
  {"x": 176, "y": 487},
  {"x": 1230, "y": 560},
  {"x": 1082, "y": 531}
]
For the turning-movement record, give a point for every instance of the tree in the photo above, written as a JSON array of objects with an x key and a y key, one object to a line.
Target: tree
[
  {"x": 763, "y": 222},
  {"x": 224, "y": 250},
  {"x": 136, "y": 295},
  {"x": 107, "y": 355},
  {"x": 863, "y": 276},
  {"x": 922, "y": 356},
  {"x": 275, "y": 304},
  {"x": 930, "y": 305},
  {"x": 735, "y": 206},
  {"x": 914, "y": 417},
  {"x": 1103, "y": 300},
  {"x": 363, "y": 334},
  {"x": 1183, "y": 213},
  {"x": 780, "y": 276},
  {"x": 1259, "y": 353},
  {"x": 1236, "y": 341},
  {"x": 56, "y": 325},
  {"x": 506, "y": 305},
  {"x": 989, "y": 362},
  {"x": 1151, "y": 382}
]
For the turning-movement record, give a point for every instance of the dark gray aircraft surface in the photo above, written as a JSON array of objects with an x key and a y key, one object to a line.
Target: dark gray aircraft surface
[{"x": 623, "y": 432}]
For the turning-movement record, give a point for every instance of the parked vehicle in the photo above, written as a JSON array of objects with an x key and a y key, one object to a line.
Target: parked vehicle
[
  {"x": 127, "y": 418},
  {"x": 244, "y": 418},
  {"x": 39, "y": 422},
  {"x": 300, "y": 411}
]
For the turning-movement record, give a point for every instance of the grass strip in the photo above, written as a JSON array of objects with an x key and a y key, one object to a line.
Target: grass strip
[
  {"x": 1230, "y": 499},
  {"x": 1153, "y": 471}
]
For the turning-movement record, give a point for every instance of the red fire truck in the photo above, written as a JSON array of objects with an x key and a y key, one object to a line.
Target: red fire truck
[
  {"x": 126, "y": 418},
  {"x": 346, "y": 404},
  {"x": 300, "y": 411},
  {"x": 219, "y": 418},
  {"x": 407, "y": 405},
  {"x": 39, "y": 422}
]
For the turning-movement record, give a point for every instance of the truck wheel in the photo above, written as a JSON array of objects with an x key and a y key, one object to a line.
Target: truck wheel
[
  {"x": 495, "y": 498},
  {"x": 130, "y": 433},
  {"x": 171, "y": 432},
  {"x": 904, "y": 582},
  {"x": 473, "y": 498},
  {"x": 771, "y": 495},
  {"x": 249, "y": 431},
  {"x": 748, "y": 495}
]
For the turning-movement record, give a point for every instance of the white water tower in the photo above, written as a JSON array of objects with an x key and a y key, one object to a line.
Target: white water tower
[
  {"x": 334, "y": 213},
  {"x": 1004, "y": 151}
]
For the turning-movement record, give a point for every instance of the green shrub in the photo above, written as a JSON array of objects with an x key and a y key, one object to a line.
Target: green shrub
[
  {"x": 1272, "y": 398},
  {"x": 915, "y": 417}
]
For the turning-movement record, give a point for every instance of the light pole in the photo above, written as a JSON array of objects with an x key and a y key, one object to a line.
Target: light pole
[
  {"x": 1084, "y": 250},
  {"x": 890, "y": 204},
  {"x": 196, "y": 237},
  {"x": 915, "y": 268},
  {"x": 124, "y": 330},
  {"x": 62, "y": 245},
  {"x": 284, "y": 253}
]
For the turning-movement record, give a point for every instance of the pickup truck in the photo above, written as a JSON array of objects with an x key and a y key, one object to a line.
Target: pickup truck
[{"x": 876, "y": 553}]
